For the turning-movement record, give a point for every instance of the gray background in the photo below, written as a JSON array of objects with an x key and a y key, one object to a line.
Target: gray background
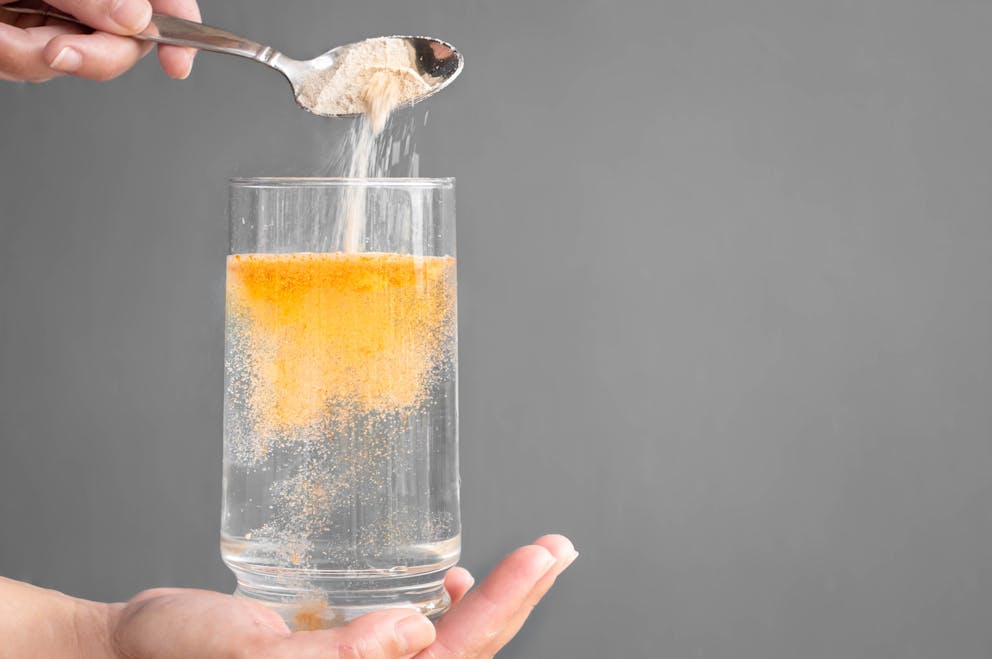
[{"x": 726, "y": 312}]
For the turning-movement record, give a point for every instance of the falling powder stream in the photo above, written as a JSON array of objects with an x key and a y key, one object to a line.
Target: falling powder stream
[{"x": 383, "y": 92}]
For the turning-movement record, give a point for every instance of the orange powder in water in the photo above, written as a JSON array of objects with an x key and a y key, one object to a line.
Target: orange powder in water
[{"x": 352, "y": 332}]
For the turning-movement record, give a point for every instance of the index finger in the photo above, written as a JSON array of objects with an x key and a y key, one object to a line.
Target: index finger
[
  {"x": 471, "y": 626},
  {"x": 124, "y": 17},
  {"x": 564, "y": 553}
]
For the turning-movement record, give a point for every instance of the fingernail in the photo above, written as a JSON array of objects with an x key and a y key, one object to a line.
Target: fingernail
[
  {"x": 132, "y": 15},
  {"x": 189, "y": 64},
  {"x": 547, "y": 561},
  {"x": 67, "y": 61},
  {"x": 414, "y": 632},
  {"x": 571, "y": 559}
]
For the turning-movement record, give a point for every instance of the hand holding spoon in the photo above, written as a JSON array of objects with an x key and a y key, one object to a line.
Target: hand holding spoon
[{"x": 437, "y": 62}]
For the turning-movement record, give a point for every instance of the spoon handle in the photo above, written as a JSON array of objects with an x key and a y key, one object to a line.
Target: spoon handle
[{"x": 180, "y": 32}]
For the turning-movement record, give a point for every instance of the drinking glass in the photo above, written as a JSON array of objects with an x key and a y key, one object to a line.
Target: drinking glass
[{"x": 340, "y": 404}]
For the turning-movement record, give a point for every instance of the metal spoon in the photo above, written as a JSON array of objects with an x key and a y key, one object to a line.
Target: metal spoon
[{"x": 437, "y": 62}]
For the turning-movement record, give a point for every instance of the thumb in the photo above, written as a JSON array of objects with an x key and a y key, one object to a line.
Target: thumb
[
  {"x": 115, "y": 16},
  {"x": 380, "y": 635}
]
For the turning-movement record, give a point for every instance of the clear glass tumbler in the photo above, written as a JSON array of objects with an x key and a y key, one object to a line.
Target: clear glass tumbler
[{"x": 340, "y": 406}]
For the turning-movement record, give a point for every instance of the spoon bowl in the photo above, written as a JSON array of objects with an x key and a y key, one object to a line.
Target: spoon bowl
[{"x": 436, "y": 62}]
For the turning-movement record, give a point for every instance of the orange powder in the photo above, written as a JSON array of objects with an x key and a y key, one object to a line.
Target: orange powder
[
  {"x": 313, "y": 615},
  {"x": 349, "y": 332}
]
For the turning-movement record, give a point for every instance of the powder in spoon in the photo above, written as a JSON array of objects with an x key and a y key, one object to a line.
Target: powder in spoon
[{"x": 370, "y": 77}]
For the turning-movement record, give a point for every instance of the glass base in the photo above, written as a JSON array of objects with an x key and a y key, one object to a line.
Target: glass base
[{"x": 326, "y": 604}]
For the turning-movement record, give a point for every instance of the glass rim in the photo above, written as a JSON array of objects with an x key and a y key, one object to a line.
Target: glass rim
[{"x": 339, "y": 181}]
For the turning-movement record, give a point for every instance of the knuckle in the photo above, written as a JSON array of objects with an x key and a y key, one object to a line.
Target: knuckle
[
  {"x": 349, "y": 650},
  {"x": 95, "y": 8},
  {"x": 438, "y": 650},
  {"x": 19, "y": 67},
  {"x": 370, "y": 647}
]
